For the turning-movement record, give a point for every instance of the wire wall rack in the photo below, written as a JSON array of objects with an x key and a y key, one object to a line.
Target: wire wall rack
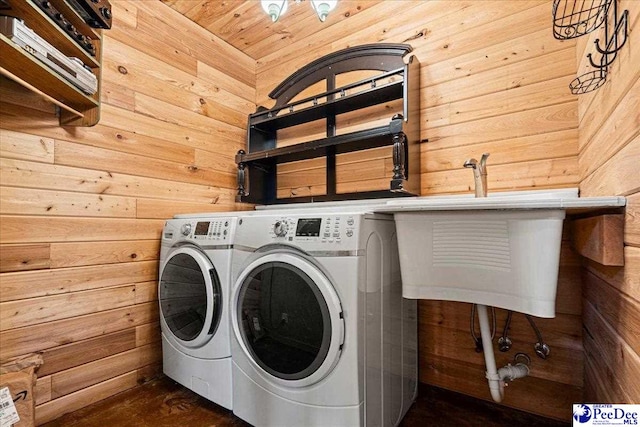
[{"x": 575, "y": 18}]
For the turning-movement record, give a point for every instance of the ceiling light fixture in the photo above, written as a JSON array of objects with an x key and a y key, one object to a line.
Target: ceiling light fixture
[
  {"x": 274, "y": 8},
  {"x": 323, "y": 7},
  {"x": 277, "y": 8}
]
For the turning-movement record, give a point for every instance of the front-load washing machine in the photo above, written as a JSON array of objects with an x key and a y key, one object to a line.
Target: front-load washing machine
[
  {"x": 321, "y": 335},
  {"x": 193, "y": 291}
]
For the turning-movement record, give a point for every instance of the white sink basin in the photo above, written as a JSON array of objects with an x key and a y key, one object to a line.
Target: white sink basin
[
  {"x": 565, "y": 199},
  {"x": 501, "y": 251}
]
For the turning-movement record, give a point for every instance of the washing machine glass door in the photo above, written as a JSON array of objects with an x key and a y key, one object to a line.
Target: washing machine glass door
[
  {"x": 288, "y": 319},
  {"x": 190, "y": 296}
]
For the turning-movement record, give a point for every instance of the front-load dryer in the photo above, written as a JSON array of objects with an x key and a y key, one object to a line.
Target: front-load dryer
[
  {"x": 193, "y": 292},
  {"x": 321, "y": 335}
]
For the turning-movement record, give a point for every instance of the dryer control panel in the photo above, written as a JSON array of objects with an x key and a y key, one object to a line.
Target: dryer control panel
[
  {"x": 201, "y": 230},
  {"x": 211, "y": 230}
]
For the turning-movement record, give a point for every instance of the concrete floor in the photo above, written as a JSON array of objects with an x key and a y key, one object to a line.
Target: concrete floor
[{"x": 164, "y": 403}]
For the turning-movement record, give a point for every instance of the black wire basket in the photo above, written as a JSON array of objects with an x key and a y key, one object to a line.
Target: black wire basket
[
  {"x": 575, "y": 18},
  {"x": 613, "y": 41},
  {"x": 588, "y": 82}
]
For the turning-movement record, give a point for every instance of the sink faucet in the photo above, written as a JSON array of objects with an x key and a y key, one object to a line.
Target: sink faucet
[{"x": 479, "y": 174}]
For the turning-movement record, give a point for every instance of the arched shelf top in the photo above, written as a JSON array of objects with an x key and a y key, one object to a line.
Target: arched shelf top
[{"x": 379, "y": 56}]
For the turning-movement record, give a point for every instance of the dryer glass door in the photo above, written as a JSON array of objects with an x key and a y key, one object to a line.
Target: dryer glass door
[
  {"x": 289, "y": 318},
  {"x": 190, "y": 296}
]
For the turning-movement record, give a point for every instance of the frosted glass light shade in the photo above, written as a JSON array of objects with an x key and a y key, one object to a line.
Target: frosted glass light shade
[
  {"x": 323, "y": 7},
  {"x": 274, "y": 8}
]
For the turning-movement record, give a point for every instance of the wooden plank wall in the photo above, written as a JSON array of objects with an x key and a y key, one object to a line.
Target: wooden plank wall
[
  {"x": 609, "y": 144},
  {"x": 82, "y": 208},
  {"x": 493, "y": 79}
]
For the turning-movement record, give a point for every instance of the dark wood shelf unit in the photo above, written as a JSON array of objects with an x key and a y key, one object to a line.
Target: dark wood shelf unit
[
  {"x": 76, "y": 107},
  {"x": 19, "y": 62},
  {"x": 394, "y": 80}
]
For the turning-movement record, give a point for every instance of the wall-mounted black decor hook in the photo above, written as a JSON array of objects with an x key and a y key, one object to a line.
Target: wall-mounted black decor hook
[{"x": 613, "y": 42}]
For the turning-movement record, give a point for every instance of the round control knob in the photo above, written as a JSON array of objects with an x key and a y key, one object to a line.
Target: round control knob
[
  {"x": 105, "y": 12},
  {"x": 280, "y": 228},
  {"x": 186, "y": 229},
  {"x": 349, "y": 233},
  {"x": 46, "y": 5}
]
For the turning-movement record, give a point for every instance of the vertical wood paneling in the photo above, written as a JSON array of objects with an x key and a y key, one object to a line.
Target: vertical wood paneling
[
  {"x": 609, "y": 141},
  {"x": 32, "y": 311},
  {"x": 84, "y": 397},
  {"x": 24, "y": 257},
  {"x": 493, "y": 79},
  {"x": 174, "y": 99},
  {"x": 17, "y": 145},
  {"x": 45, "y": 283},
  {"x": 81, "y": 209},
  {"x": 479, "y": 93},
  {"x": 78, "y": 353}
]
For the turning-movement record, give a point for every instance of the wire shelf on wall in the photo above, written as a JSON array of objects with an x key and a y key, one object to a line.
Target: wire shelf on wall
[
  {"x": 588, "y": 82},
  {"x": 575, "y": 18}
]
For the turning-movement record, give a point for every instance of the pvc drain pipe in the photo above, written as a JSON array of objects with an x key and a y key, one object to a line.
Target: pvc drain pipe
[{"x": 497, "y": 377}]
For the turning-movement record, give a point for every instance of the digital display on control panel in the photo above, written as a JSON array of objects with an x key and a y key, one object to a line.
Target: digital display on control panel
[
  {"x": 308, "y": 227},
  {"x": 202, "y": 228}
]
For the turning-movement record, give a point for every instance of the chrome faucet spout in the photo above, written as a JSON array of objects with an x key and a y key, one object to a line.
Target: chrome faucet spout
[
  {"x": 471, "y": 163},
  {"x": 483, "y": 163},
  {"x": 479, "y": 174}
]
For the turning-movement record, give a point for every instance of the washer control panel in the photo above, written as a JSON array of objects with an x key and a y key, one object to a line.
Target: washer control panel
[{"x": 323, "y": 229}]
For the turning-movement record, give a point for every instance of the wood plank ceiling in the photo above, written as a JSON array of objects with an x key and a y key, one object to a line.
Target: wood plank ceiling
[{"x": 244, "y": 25}]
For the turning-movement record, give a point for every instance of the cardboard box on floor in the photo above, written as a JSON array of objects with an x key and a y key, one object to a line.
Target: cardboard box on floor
[{"x": 19, "y": 376}]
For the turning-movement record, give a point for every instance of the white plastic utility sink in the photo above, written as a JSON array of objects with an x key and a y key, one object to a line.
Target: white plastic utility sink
[{"x": 501, "y": 251}]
